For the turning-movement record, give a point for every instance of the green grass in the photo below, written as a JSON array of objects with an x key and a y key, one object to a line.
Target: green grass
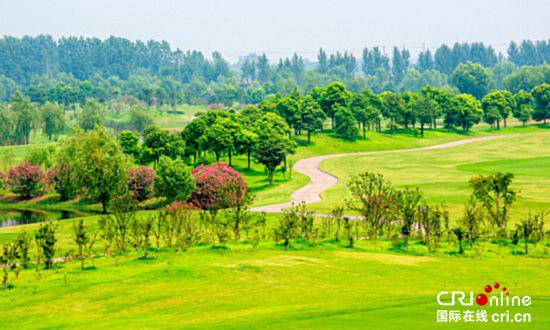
[
  {"x": 273, "y": 288},
  {"x": 443, "y": 174}
]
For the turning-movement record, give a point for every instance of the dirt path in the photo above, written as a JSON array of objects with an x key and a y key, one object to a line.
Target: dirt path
[{"x": 321, "y": 181}]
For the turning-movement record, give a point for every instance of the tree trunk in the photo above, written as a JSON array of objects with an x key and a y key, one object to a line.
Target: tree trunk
[
  {"x": 308, "y": 136},
  {"x": 248, "y": 152},
  {"x": 229, "y": 156},
  {"x": 422, "y": 129}
]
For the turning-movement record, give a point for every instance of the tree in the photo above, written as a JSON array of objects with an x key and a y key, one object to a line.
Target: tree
[
  {"x": 376, "y": 197},
  {"x": 141, "y": 184},
  {"x": 26, "y": 180},
  {"x": 472, "y": 78},
  {"x": 459, "y": 233},
  {"x": 345, "y": 123},
  {"x": 472, "y": 220},
  {"x": 54, "y": 120},
  {"x": 246, "y": 140},
  {"x": 424, "y": 111},
  {"x": 526, "y": 228},
  {"x": 129, "y": 142},
  {"x": 98, "y": 164},
  {"x": 61, "y": 178},
  {"x": 524, "y": 109},
  {"x": 81, "y": 239},
  {"x": 140, "y": 119},
  {"x": 24, "y": 117},
  {"x": 217, "y": 139},
  {"x": 92, "y": 115},
  {"x": 332, "y": 94},
  {"x": 392, "y": 105},
  {"x": 158, "y": 142},
  {"x": 312, "y": 116},
  {"x": 174, "y": 180},
  {"x": 465, "y": 112},
  {"x": 541, "y": 95},
  {"x": 217, "y": 187},
  {"x": 271, "y": 150},
  {"x": 45, "y": 241},
  {"x": 408, "y": 201},
  {"x": 192, "y": 134},
  {"x": 496, "y": 195},
  {"x": 497, "y": 105}
]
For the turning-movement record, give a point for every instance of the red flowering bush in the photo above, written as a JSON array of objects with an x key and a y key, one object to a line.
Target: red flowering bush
[
  {"x": 142, "y": 182},
  {"x": 217, "y": 186},
  {"x": 60, "y": 178},
  {"x": 26, "y": 180}
]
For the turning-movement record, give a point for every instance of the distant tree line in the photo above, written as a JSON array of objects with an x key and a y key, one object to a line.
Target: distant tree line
[{"x": 71, "y": 69}]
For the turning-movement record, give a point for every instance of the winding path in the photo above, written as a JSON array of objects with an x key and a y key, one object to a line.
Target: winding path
[{"x": 321, "y": 181}]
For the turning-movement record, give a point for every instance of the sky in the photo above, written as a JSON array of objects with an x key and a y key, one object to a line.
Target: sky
[{"x": 280, "y": 28}]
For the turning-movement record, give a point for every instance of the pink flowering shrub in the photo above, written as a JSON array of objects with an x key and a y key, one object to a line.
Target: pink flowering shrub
[
  {"x": 60, "y": 178},
  {"x": 26, "y": 180},
  {"x": 142, "y": 182},
  {"x": 217, "y": 186}
]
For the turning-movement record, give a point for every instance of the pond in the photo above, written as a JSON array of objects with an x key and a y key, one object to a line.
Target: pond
[{"x": 10, "y": 218}]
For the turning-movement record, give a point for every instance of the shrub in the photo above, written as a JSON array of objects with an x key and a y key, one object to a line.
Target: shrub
[
  {"x": 26, "y": 180},
  {"x": 60, "y": 178},
  {"x": 2, "y": 180},
  {"x": 174, "y": 180},
  {"x": 217, "y": 186},
  {"x": 142, "y": 182}
]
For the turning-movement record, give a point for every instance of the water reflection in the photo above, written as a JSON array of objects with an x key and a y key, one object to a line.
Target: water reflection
[{"x": 10, "y": 218}]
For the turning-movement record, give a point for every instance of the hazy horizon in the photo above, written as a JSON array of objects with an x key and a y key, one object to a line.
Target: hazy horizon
[{"x": 281, "y": 28}]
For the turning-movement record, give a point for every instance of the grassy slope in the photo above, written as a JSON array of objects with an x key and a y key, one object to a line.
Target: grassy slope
[
  {"x": 443, "y": 174},
  {"x": 267, "y": 288}
]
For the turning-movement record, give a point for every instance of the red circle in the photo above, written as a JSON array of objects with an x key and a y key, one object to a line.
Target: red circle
[
  {"x": 496, "y": 285},
  {"x": 488, "y": 288},
  {"x": 507, "y": 293},
  {"x": 481, "y": 299},
  {"x": 504, "y": 289}
]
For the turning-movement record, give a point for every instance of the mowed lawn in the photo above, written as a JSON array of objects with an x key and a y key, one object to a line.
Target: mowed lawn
[
  {"x": 269, "y": 289},
  {"x": 443, "y": 174}
]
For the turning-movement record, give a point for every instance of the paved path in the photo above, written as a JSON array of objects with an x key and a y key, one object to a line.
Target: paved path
[{"x": 321, "y": 181}]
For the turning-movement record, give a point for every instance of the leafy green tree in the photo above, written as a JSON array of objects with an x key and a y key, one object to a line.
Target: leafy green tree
[
  {"x": 497, "y": 105},
  {"x": 192, "y": 134},
  {"x": 425, "y": 111},
  {"x": 98, "y": 164},
  {"x": 217, "y": 139},
  {"x": 158, "y": 142},
  {"x": 345, "y": 123},
  {"x": 24, "y": 117},
  {"x": 173, "y": 180},
  {"x": 408, "y": 201},
  {"x": 393, "y": 105},
  {"x": 272, "y": 149},
  {"x": 541, "y": 96},
  {"x": 6, "y": 125},
  {"x": 466, "y": 111},
  {"x": 140, "y": 119},
  {"x": 129, "y": 142},
  {"x": 45, "y": 241},
  {"x": 472, "y": 221},
  {"x": 312, "y": 116},
  {"x": 472, "y": 78},
  {"x": 332, "y": 94},
  {"x": 374, "y": 200},
  {"x": 53, "y": 119},
  {"x": 496, "y": 195},
  {"x": 524, "y": 109},
  {"x": 246, "y": 140},
  {"x": 92, "y": 115}
]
